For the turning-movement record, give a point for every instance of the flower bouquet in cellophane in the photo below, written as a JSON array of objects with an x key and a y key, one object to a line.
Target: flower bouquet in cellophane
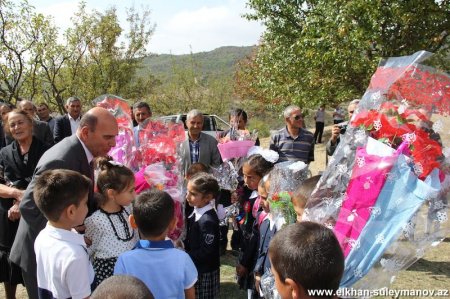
[
  {"x": 156, "y": 162},
  {"x": 160, "y": 163},
  {"x": 236, "y": 143},
  {"x": 124, "y": 151},
  {"x": 284, "y": 179},
  {"x": 385, "y": 190}
]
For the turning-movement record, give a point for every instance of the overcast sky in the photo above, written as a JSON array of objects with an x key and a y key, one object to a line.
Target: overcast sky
[{"x": 182, "y": 26}]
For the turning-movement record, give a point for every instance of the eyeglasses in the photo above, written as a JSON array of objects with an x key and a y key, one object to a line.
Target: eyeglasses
[{"x": 298, "y": 117}]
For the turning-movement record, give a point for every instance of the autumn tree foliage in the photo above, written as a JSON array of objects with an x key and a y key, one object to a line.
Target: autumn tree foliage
[{"x": 324, "y": 51}]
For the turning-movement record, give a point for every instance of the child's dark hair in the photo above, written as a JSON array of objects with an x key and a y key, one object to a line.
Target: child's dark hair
[
  {"x": 238, "y": 112},
  {"x": 205, "y": 184},
  {"x": 196, "y": 168},
  {"x": 57, "y": 189},
  {"x": 259, "y": 165},
  {"x": 153, "y": 210},
  {"x": 309, "y": 254},
  {"x": 112, "y": 175},
  {"x": 122, "y": 287},
  {"x": 303, "y": 192}
]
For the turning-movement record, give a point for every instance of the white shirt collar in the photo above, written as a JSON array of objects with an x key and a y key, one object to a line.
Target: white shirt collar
[
  {"x": 254, "y": 194},
  {"x": 74, "y": 119},
  {"x": 198, "y": 212},
  {"x": 66, "y": 235},
  {"x": 87, "y": 151}
]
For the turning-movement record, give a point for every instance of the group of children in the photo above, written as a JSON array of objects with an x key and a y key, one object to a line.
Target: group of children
[
  {"x": 259, "y": 227},
  {"x": 127, "y": 235}
]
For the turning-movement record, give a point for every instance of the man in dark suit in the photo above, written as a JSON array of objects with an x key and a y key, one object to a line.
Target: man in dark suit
[
  {"x": 67, "y": 124},
  {"x": 94, "y": 137}
]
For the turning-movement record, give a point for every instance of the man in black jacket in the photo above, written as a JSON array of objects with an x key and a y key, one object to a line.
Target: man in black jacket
[{"x": 67, "y": 124}]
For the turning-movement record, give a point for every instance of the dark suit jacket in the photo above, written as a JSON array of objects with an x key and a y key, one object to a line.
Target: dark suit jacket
[
  {"x": 19, "y": 174},
  {"x": 265, "y": 235},
  {"x": 68, "y": 154},
  {"x": 202, "y": 242},
  {"x": 209, "y": 153},
  {"x": 62, "y": 128}
]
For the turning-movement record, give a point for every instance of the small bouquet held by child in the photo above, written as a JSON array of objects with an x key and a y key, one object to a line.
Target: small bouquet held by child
[{"x": 285, "y": 178}]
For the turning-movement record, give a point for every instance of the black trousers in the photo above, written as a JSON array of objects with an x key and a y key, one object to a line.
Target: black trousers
[
  {"x": 31, "y": 285},
  {"x": 319, "y": 132}
]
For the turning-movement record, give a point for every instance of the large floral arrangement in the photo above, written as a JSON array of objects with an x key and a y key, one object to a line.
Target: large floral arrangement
[
  {"x": 385, "y": 190},
  {"x": 156, "y": 161}
]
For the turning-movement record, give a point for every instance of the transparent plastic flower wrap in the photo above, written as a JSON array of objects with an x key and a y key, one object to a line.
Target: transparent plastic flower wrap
[
  {"x": 235, "y": 134},
  {"x": 267, "y": 285},
  {"x": 284, "y": 179},
  {"x": 123, "y": 151},
  {"x": 226, "y": 175},
  {"x": 385, "y": 191}
]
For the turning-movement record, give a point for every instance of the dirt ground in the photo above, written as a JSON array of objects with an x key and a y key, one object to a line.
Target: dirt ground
[{"x": 432, "y": 272}]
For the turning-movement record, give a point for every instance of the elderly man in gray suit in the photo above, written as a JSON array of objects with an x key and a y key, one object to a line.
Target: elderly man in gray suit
[
  {"x": 199, "y": 147},
  {"x": 95, "y": 137}
]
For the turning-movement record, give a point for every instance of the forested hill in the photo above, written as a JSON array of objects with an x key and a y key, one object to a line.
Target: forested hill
[{"x": 216, "y": 63}]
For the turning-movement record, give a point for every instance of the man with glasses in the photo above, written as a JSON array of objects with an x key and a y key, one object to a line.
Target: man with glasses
[
  {"x": 293, "y": 142},
  {"x": 340, "y": 129}
]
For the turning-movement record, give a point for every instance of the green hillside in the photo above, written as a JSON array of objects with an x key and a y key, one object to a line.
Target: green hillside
[{"x": 216, "y": 63}]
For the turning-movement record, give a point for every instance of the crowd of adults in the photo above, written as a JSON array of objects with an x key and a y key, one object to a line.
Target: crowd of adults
[{"x": 33, "y": 141}]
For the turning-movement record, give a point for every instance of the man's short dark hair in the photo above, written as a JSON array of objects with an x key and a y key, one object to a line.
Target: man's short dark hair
[
  {"x": 153, "y": 211},
  {"x": 56, "y": 189},
  {"x": 122, "y": 287},
  {"x": 142, "y": 104},
  {"x": 309, "y": 254}
]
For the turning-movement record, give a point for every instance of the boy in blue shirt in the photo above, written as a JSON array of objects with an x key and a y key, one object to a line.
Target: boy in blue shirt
[{"x": 168, "y": 272}]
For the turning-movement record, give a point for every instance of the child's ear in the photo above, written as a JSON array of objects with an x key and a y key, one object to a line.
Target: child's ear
[
  {"x": 172, "y": 224},
  {"x": 209, "y": 196},
  {"x": 297, "y": 291},
  {"x": 110, "y": 193},
  {"x": 70, "y": 211},
  {"x": 132, "y": 221}
]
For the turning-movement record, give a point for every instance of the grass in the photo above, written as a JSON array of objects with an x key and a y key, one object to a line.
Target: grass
[{"x": 228, "y": 285}]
